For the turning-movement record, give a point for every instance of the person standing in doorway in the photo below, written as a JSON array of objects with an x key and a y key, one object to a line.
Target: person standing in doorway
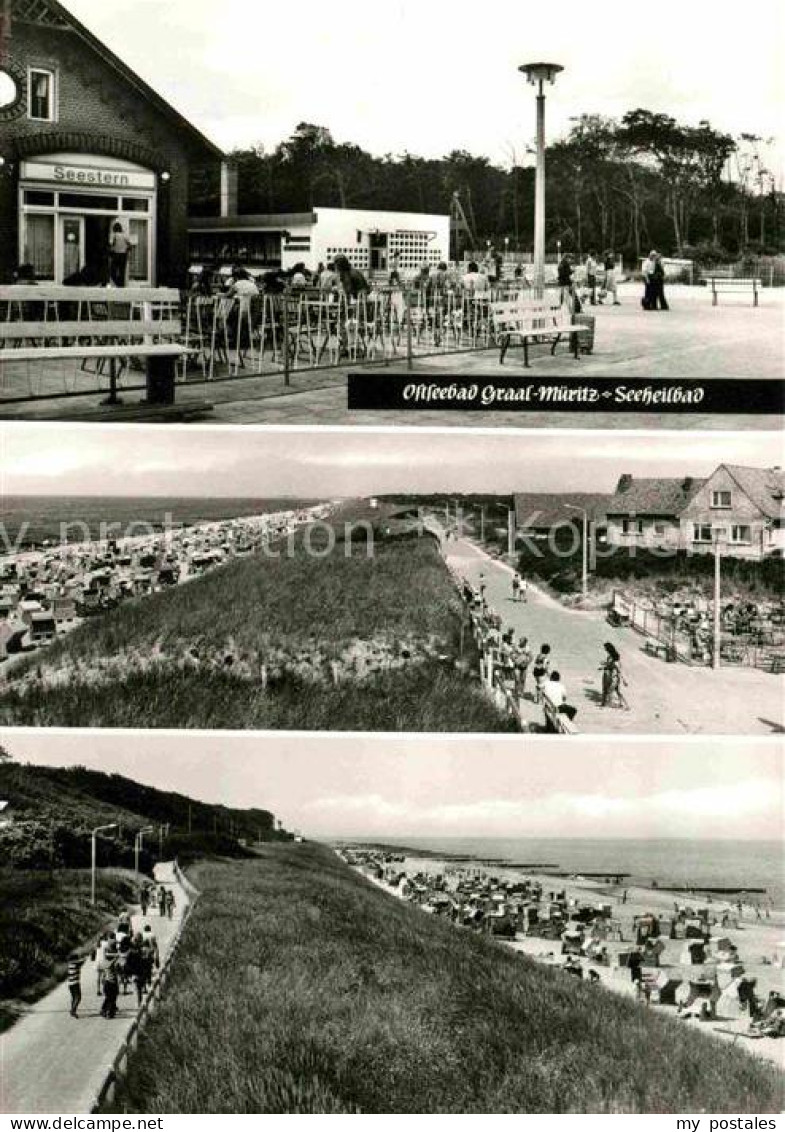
[{"x": 119, "y": 247}]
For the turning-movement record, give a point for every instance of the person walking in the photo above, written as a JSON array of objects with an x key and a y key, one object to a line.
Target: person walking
[
  {"x": 565, "y": 281},
  {"x": 119, "y": 247},
  {"x": 591, "y": 278},
  {"x": 74, "y": 980},
  {"x": 523, "y": 659},
  {"x": 542, "y": 663},
  {"x": 111, "y": 989},
  {"x": 144, "y": 899},
  {"x": 612, "y": 678},
  {"x": 609, "y": 282},
  {"x": 170, "y": 903},
  {"x": 516, "y": 583},
  {"x": 161, "y": 902},
  {"x": 523, "y": 589},
  {"x": 102, "y": 958},
  {"x": 658, "y": 300}
]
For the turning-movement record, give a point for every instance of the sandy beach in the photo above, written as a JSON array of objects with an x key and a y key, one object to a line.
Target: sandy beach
[{"x": 755, "y": 939}]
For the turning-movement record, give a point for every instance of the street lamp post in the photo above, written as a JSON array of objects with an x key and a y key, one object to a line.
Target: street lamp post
[
  {"x": 538, "y": 74},
  {"x": 717, "y": 534},
  {"x": 138, "y": 845},
  {"x": 94, "y": 855},
  {"x": 584, "y": 548}
]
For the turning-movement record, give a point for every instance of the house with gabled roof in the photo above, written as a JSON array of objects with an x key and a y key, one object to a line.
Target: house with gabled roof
[
  {"x": 539, "y": 515},
  {"x": 647, "y": 512},
  {"x": 85, "y": 142},
  {"x": 742, "y": 507}
]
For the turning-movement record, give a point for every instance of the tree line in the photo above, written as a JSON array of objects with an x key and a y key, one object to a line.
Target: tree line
[{"x": 642, "y": 181}]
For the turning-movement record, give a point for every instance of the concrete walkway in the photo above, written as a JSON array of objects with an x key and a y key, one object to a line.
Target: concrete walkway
[
  {"x": 691, "y": 340},
  {"x": 53, "y": 1063},
  {"x": 664, "y": 698}
]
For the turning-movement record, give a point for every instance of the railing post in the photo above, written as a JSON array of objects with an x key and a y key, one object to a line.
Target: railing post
[{"x": 285, "y": 333}]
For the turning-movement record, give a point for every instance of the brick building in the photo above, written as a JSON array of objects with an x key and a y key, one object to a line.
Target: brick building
[{"x": 85, "y": 142}]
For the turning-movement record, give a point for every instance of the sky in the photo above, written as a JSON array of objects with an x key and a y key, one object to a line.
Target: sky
[
  {"x": 208, "y": 462},
  {"x": 375, "y": 786},
  {"x": 431, "y": 77}
]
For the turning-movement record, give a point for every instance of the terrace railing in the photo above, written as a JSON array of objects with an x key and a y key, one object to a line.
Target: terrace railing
[
  {"x": 680, "y": 639},
  {"x": 285, "y": 336}
]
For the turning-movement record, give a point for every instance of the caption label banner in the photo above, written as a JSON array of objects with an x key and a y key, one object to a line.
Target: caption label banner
[{"x": 377, "y": 390}]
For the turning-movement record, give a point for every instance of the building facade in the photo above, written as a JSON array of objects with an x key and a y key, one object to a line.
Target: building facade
[
  {"x": 742, "y": 509},
  {"x": 371, "y": 240},
  {"x": 84, "y": 144},
  {"x": 647, "y": 512}
]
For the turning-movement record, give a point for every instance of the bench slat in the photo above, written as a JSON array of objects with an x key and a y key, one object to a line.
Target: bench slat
[
  {"x": 44, "y": 292},
  {"x": 109, "y": 328},
  {"x": 55, "y": 353}
]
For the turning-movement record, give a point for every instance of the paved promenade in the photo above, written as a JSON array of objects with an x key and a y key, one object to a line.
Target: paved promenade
[
  {"x": 53, "y": 1063},
  {"x": 664, "y": 698}
]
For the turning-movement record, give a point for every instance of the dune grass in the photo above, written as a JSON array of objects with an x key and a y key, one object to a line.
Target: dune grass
[
  {"x": 45, "y": 916},
  {"x": 301, "y": 988},
  {"x": 278, "y": 613},
  {"x": 422, "y": 699}
]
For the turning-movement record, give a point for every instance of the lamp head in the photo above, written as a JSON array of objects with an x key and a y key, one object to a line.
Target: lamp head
[{"x": 541, "y": 72}]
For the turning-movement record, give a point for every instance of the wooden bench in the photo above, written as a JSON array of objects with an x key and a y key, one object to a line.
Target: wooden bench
[
  {"x": 734, "y": 286},
  {"x": 557, "y": 721},
  {"x": 532, "y": 321},
  {"x": 56, "y": 323},
  {"x": 659, "y": 648}
]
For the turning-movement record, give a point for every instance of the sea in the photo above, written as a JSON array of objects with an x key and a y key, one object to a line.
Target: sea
[
  {"x": 742, "y": 865},
  {"x": 29, "y": 520}
]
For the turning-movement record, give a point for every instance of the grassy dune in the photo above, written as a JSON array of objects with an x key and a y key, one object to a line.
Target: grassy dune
[
  {"x": 45, "y": 916},
  {"x": 296, "y": 616},
  {"x": 301, "y": 988}
]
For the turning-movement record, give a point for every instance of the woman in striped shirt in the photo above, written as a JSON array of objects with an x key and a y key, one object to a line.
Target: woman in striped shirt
[{"x": 74, "y": 980}]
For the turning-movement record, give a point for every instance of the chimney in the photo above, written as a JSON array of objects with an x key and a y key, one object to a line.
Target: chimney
[
  {"x": 687, "y": 484},
  {"x": 624, "y": 484},
  {"x": 229, "y": 177}
]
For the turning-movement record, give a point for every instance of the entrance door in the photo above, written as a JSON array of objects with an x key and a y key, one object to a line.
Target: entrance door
[
  {"x": 97, "y": 229},
  {"x": 72, "y": 245},
  {"x": 378, "y": 251}
]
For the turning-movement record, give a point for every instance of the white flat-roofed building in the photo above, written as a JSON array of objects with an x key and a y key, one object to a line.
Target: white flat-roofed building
[{"x": 370, "y": 239}]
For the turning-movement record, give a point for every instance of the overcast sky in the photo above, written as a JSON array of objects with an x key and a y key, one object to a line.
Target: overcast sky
[
  {"x": 62, "y": 459},
  {"x": 362, "y": 785},
  {"x": 431, "y": 77}
]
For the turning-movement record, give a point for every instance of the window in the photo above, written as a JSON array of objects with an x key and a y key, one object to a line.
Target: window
[
  {"x": 701, "y": 532},
  {"x": 659, "y": 528},
  {"x": 39, "y": 197},
  {"x": 41, "y": 95},
  {"x": 39, "y": 244},
  {"x": 136, "y": 204},
  {"x": 632, "y": 526},
  {"x": 720, "y": 499},
  {"x": 740, "y": 533},
  {"x": 96, "y": 201},
  {"x": 139, "y": 260}
]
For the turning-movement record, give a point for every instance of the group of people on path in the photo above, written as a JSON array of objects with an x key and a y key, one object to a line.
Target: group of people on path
[
  {"x": 514, "y": 659},
  {"x": 600, "y": 280},
  {"x": 122, "y": 956}
]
